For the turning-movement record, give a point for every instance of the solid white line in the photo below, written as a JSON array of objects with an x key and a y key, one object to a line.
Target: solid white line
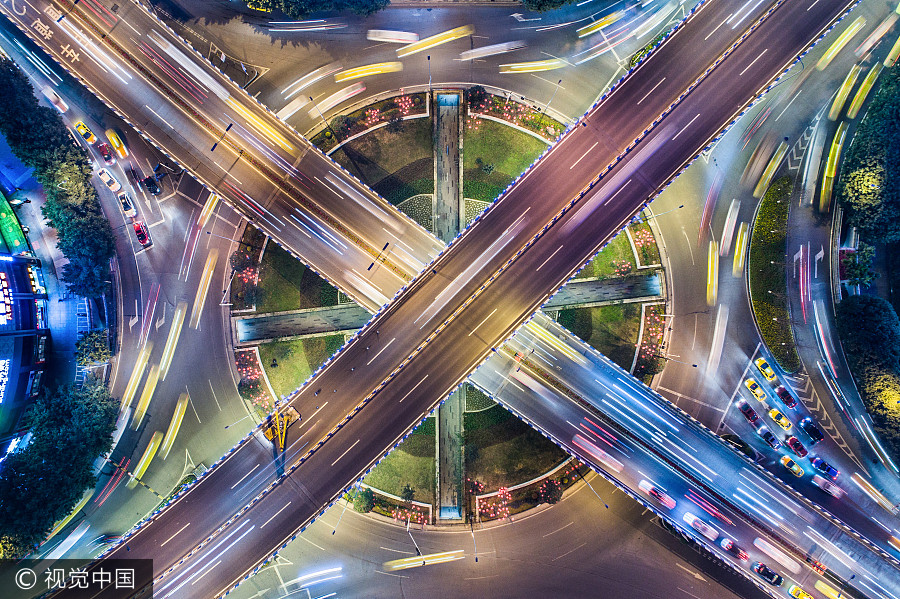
[
  {"x": 345, "y": 453},
  {"x": 208, "y": 570},
  {"x": 414, "y": 388},
  {"x": 788, "y": 105},
  {"x": 479, "y": 324},
  {"x": 175, "y": 535},
  {"x": 717, "y": 28},
  {"x": 382, "y": 349},
  {"x": 245, "y": 476},
  {"x": 655, "y": 86},
  {"x": 685, "y": 127},
  {"x": 754, "y": 62},
  {"x": 548, "y": 259},
  {"x": 275, "y": 514},
  {"x": 583, "y": 155}
]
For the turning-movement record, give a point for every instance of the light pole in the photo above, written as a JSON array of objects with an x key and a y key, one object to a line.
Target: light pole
[
  {"x": 322, "y": 116},
  {"x": 666, "y": 357},
  {"x": 235, "y": 422},
  {"x": 591, "y": 488},
  {"x": 843, "y": 584},
  {"x": 429, "y": 73},
  {"x": 418, "y": 551},
  {"x": 472, "y": 528},
  {"x": 645, "y": 219},
  {"x": 547, "y": 107}
]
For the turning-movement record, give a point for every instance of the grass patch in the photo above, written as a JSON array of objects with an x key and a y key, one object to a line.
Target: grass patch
[
  {"x": 645, "y": 243},
  {"x": 768, "y": 244},
  {"x": 287, "y": 284},
  {"x": 501, "y": 450},
  {"x": 419, "y": 208},
  {"x": 476, "y": 400},
  {"x": 474, "y": 208},
  {"x": 412, "y": 463},
  {"x": 297, "y": 358},
  {"x": 509, "y": 151},
  {"x": 611, "y": 261},
  {"x": 637, "y": 56},
  {"x": 480, "y": 191},
  {"x": 612, "y": 330}
]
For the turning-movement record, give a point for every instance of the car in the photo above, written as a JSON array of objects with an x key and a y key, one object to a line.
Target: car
[
  {"x": 785, "y": 396},
  {"x": 798, "y": 593},
  {"x": 106, "y": 153},
  {"x": 765, "y": 369},
  {"x": 54, "y": 98},
  {"x": 828, "y": 486},
  {"x": 767, "y": 574},
  {"x": 141, "y": 232},
  {"x": 780, "y": 419},
  {"x": 825, "y": 468},
  {"x": 811, "y": 429},
  {"x": 768, "y": 437},
  {"x": 116, "y": 142},
  {"x": 700, "y": 526},
  {"x": 127, "y": 205},
  {"x": 791, "y": 465},
  {"x": 755, "y": 389},
  {"x": 732, "y": 548},
  {"x": 748, "y": 412},
  {"x": 152, "y": 186},
  {"x": 796, "y": 446},
  {"x": 109, "y": 180},
  {"x": 85, "y": 132},
  {"x": 655, "y": 493}
]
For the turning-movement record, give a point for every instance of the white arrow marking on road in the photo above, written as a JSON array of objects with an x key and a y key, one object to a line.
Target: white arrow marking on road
[
  {"x": 819, "y": 256},
  {"x": 134, "y": 320},
  {"x": 162, "y": 319},
  {"x": 691, "y": 572},
  {"x": 518, "y": 17}
]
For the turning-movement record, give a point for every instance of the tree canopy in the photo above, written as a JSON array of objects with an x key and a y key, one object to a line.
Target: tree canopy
[
  {"x": 303, "y": 8},
  {"x": 42, "y": 482}
]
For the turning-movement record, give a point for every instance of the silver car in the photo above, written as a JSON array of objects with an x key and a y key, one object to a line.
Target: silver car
[
  {"x": 127, "y": 205},
  {"x": 110, "y": 181}
]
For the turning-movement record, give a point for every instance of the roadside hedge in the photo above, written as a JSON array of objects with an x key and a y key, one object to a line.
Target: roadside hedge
[{"x": 766, "y": 272}]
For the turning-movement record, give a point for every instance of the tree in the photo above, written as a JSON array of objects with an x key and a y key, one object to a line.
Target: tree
[
  {"x": 364, "y": 500},
  {"x": 92, "y": 348},
  {"x": 241, "y": 260},
  {"x": 41, "y": 483},
  {"x": 870, "y": 331},
  {"x": 858, "y": 265},
  {"x": 476, "y": 96},
  {"x": 551, "y": 491},
  {"x": 341, "y": 125},
  {"x": 303, "y": 8},
  {"x": 544, "y": 5},
  {"x": 395, "y": 124},
  {"x": 408, "y": 493}
]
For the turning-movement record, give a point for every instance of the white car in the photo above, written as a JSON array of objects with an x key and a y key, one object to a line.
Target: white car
[
  {"x": 127, "y": 205},
  {"x": 828, "y": 486},
  {"x": 109, "y": 180},
  {"x": 702, "y": 527},
  {"x": 54, "y": 98}
]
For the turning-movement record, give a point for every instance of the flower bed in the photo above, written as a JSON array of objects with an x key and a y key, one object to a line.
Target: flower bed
[
  {"x": 649, "y": 361},
  {"x": 516, "y": 113},
  {"x": 645, "y": 244},
  {"x": 509, "y": 501},
  {"x": 369, "y": 116},
  {"x": 251, "y": 386}
]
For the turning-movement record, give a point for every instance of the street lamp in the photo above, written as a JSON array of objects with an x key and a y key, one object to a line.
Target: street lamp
[
  {"x": 646, "y": 218},
  {"x": 429, "y": 72},
  {"x": 547, "y": 107},
  {"x": 235, "y": 422}
]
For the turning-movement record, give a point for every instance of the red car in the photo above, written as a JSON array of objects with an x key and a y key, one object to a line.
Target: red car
[
  {"x": 729, "y": 546},
  {"x": 796, "y": 446},
  {"x": 141, "y": 232},
  {"x": 106, "y": 153},
  {"x": 785, "y": 396},
  {"x": 748, "y": 412}
]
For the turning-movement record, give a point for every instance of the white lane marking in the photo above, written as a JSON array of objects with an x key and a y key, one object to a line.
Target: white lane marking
[
  {"x": 382, "y": 349},
  {"x": 414, "y": 388},
  {"x": 548, "y": 259},
  {"x": 175, "y": 535},
  {"x": 574, "y": 164},
  {"x": 479, "y": 324},
  {"x": 754, "y": 62},
  {"x": 345, "y": 453},
  {"x": 275, "y": 514},
  {"x": 717, "y": 28},
  {"x": 559, "y": 529},
  {"x": 686, "y": 126},
  {"x": 243, "y": 477},
  {"x": 655, "y": 86}
]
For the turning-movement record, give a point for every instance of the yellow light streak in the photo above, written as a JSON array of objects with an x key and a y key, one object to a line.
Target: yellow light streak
[{"x": 435, "y": 40}]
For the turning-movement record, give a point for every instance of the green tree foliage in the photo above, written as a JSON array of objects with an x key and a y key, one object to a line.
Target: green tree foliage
[
  {"x": 92, "y": 348},
  {"x": 42, "y": 482},
  {"x": 395, "y": 124},
  {"x": 39, "y": 138},
  {"x": 870, "y": 334},
  {"x": 476, "y": 95},
  {"x": 869, "y": 187},
  {"x": 551, "y": 491},
  {"x": 364, "y": 500},
  {"x": 858, "y": 265},
  {"x": 303, "y": 8},
  {"x": 544, "y": 5},
  {"x": 407, "y": 493}
]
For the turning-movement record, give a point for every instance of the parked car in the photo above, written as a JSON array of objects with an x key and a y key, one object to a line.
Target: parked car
[
  {"x": 748, "y": 412},
  {"x": 109, "y": 180},
  {"x": 811, "y": 429},
  {"x": 142, "y": 233},
  {"x": 755, "y": 389},
  {"x": 791, "y": 465},
  {"x": 785, "y": 396},
  {"x": 796, "y": 446},
  {"x": 768, "y": 437},
  {"x": 127, "y": 205},
  {"x": 152, "y": 185},
  {"x": 780, "y": 419},
  {"x": 85, "y": 132},
  {"x": 765, "y": 369},
  {"x": 825, "y": 468},
  {"x": 767, "y": 574}
]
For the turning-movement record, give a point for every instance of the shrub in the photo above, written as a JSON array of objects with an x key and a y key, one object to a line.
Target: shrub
[{"x": 364, "y": 500}]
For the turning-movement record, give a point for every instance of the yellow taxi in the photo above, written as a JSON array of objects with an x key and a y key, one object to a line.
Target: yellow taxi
[
  {"x": 780, "y": 419},
  {"x": 765, "y": 369},
  {"x": 798, "y": 593},
  {"x": 755, "y": 389},
  {"x": 116, "y": 142},
  {"x": 85, "y": 132}
]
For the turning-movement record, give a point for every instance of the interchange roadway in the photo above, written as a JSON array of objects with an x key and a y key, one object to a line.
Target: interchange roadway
[{"x": 461, "y": 272}]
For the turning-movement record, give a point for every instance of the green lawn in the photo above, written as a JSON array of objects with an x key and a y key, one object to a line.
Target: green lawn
[
  {"x": 508, "y": 149},
  {"x": 612, "y": 330},
  {"x": 617, "y": 251},
  {"x": 287, "y": 284},
  {"x": 297, "y": 358},
  {"x": 412, "y": 463},
  {"x": 501, "y": 450},
  {"x": 396, "y": 165},
  {"x": 476, "y": 400},
  {"x": 419, "y": 208}
]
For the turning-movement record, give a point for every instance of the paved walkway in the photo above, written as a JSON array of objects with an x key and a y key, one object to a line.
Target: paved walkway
[{"x": 347, "y": 318}]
